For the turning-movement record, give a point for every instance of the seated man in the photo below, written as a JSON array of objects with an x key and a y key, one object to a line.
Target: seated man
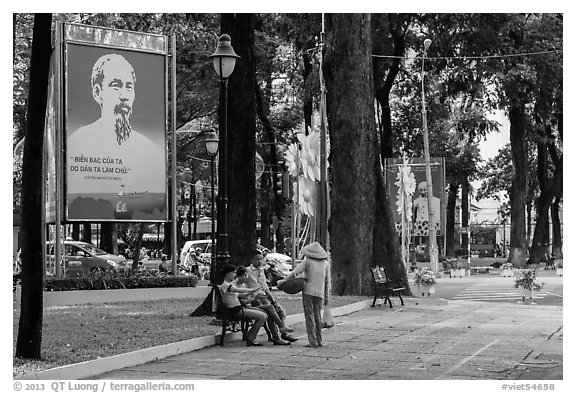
[
  {"x": 256, "y": 278},
  {"x": 253, "y": 299},
  {"x": 230, "y": 292}
]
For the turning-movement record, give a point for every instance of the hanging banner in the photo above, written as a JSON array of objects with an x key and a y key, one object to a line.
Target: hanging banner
[
  {"x": 115, "y": 125},
  {"x": 50, "y": 150},
  {"x": 420, "y": 215}
]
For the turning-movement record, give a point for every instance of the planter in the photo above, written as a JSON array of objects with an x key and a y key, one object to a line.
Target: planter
[
  {"x": 507, "y": 273},
  {"x": 526, "y": 295},
  {"x": 425, "y": 290},
  {"x": 560, "y": 271},
  {"x": 457, "y": 273}
]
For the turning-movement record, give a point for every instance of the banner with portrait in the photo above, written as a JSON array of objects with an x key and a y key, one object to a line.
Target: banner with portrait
[
  {"x": 115, "y": 126},
  {"x": 420, "y": 214}
]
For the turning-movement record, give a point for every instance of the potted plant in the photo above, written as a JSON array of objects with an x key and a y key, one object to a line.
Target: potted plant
[
  {"x": 507, "y": 269},
  {"x": 425, "y": 281},
  {"x": 459, "y": 271},
  {"x": 559, "y": 263},
  {"x": 526, "y": 285}
]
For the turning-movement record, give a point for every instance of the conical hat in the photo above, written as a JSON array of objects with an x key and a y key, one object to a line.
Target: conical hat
[{"x": 315, "y": 250}]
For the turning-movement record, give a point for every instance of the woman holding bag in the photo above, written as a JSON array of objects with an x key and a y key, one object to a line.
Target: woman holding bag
[{"x": 317, "y": 288}]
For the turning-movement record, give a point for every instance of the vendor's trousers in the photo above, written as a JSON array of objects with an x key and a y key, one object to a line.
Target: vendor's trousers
[{"x": 313, "y": 318}]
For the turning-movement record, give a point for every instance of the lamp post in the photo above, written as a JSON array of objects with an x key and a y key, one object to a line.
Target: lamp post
[
  {"x": 212, "y": 148},
  {"x": 432, "y": 243},
  {"x": 224, "y": 59}
]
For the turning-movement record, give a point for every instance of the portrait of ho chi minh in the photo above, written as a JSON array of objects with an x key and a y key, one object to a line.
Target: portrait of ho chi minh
[{"x": 109, "y": 156}]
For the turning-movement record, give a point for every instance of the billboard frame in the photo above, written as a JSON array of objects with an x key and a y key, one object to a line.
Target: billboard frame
[
  {"x": 76, "y": 36},
  {"x": 54, "y": 215},
  {"x": 438, "y": 165}
]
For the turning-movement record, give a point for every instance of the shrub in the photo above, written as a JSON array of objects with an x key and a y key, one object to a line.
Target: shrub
[
  {"x": 119, "y": 279},
  {"x": 527, "y": 280}
]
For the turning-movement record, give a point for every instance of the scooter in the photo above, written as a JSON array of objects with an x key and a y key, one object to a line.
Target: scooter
[{"x": 273, "y": 275}]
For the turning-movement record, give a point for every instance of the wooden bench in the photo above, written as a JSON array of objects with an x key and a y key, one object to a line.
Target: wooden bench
[
  {"x": 231, "y": 323},
  {"x": 383, "y": 287}
]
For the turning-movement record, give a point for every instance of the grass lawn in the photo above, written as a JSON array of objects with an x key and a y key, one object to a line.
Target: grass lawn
[{"x": 73, "y": 334}]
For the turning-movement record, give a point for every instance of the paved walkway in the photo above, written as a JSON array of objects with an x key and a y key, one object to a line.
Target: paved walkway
[{"x": 426, "y": 339}]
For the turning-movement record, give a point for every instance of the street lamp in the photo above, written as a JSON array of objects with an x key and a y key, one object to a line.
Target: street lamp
[
  {"x": 212, "y": 148},
  {"x": 432, "y": 243},
  {"x": 224, "y": 59}
]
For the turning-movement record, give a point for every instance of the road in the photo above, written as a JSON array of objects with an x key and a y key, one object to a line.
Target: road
[{"x": 493, "y": 288}]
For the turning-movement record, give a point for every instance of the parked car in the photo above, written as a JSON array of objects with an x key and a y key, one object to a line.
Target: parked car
[{"x": 81, "y": 258}]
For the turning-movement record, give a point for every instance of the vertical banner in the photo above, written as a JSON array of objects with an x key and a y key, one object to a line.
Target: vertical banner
[
  {"x": 50, "y": 144},
  {"x": 420, "y": 215},
  {"x": 115, "y": 125}
]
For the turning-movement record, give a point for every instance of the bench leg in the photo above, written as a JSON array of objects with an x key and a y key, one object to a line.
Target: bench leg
[
  {"x": 389, "y": 301},
  {"x": 401, "y": 300},
  {"x": 244, "y": 326}
]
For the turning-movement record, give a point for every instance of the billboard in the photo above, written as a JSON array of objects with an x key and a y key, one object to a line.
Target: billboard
[
  {"x": 420, "y": 215},
  {"x": 115, "y": 128}
]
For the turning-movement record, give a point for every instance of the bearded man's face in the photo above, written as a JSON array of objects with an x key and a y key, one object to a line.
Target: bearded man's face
[
  {"x": 122, "y": 123},
  {"x": 117, "y": 96}
]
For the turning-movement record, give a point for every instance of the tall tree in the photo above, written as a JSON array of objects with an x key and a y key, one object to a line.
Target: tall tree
[
  {"x": 360, "y": 212},
  {"x": 241, "y": 147},
  {"x": 546, "y": 33},
  {"x": 241, "y": 141},
  {"x": 28, "y": 344}
]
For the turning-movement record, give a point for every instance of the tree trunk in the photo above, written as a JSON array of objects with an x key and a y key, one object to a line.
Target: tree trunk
[
  {"x": 528, "y": 209},
  {"x": 307, "y": 106},
  {"x": 109, "y": 237},
  {"x": 76, "y": 231},
  {"x": 540, "y": 239},
  {"x": 556, "y": 229},
  {"x": 87, "y": 233},
  {"x": 29, "y": 341},
  {"x": 450, "y": 211},
  {"x": 518, "y": 188},
  {"x": 361, "y": 229},
  {"x": 137, "y": 246},
  {"x": 383, "y": 91},
  {"x": 241, "y": 143}
]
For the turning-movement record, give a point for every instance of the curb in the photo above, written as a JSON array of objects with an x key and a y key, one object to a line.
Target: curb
[{"x": 99, "y": 366}]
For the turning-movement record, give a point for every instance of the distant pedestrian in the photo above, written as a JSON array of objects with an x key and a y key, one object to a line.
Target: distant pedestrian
[{"x": 317, "y": 288}]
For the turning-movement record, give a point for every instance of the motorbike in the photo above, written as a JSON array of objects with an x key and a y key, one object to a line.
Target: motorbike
[{"x": 273, "y": 274}]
